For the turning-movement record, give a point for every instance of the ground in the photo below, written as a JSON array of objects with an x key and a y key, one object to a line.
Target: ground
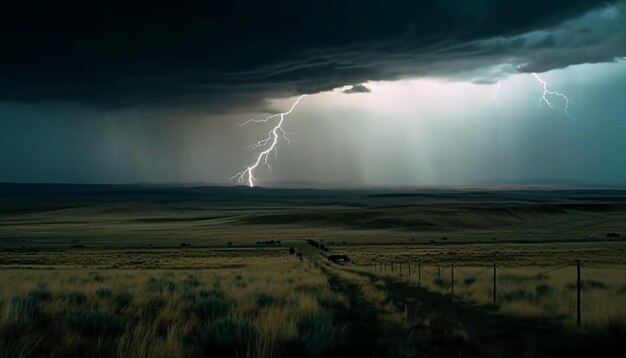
[{"x": 188, "y": 272}]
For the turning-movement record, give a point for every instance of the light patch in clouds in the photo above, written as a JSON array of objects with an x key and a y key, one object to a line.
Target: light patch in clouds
[{"x": 359, "y": 88}]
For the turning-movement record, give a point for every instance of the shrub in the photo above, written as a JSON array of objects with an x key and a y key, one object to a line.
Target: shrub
[
  {"x": 516, "y": 278},
  {"x": 104, "y": 293},
  {"x": 152, "y": 306},
  {"x": 589, "y": 284},
  {"x": 95, "y": 322},
  {"x": 315, "y": 334},
  {"x": 595, "y": 284},
  {"x": 264, "y": 300},
  {"x": 74, "y": 298},
  {"x": 191, "y": 282},
  {"x": 40, "y": 295},
  {"x": 26, "y": 309},
  {"x": 160, "y": 285},
  {"x": 229, "y": 337},
  {"x": 98, "y": 277},
  {"x": 544, "y": 290},
  {"x": 212, "y": 308},
  {"x": 239, "y": 282},
  {"x": 468, "y": 281},
  {"x": 517, "y": 295},
  {"x": 123, "y": 299}
]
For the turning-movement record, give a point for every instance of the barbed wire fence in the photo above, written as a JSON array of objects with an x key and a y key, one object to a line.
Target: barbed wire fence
[{"x": 443, "y": 276}]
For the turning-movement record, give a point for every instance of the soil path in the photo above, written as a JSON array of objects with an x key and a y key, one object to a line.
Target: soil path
[{"x": 361, "y": 335}]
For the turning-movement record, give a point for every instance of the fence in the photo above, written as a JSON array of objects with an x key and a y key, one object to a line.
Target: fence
[{"x": 443, "y": 278}]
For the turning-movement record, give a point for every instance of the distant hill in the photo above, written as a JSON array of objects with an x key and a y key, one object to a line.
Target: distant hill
[{"x": 562, "y": 182}]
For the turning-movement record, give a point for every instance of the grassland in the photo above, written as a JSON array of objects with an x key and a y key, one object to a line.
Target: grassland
[
  {"x": 140, "y": 271},
  {"x": 527, "y": 291},
  {"x": 264, "y": 308},
  {"x": 152, "y": 216}
]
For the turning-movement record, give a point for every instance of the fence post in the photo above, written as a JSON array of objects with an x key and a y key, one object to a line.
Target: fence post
[
  {"x": 578, "y": 289},
  {"x": 392, "y": 267},
  {"x": 419, "y": 273},
  {"x": 494, "y": 283},
  {"x": 409, "y": 266},
  {"x": 452, "y": 277}
]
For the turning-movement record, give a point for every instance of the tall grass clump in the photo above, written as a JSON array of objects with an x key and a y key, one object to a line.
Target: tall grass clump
[
  {"x": 315, "y": 334},
  {"x": 123, "y": 299},
  {"x": 229, "y": 337},
  {"x": 104, "y": 293},
  {"x": 161, "y": 285},
  {"x": 25, "y": 309},
  {"x": 212, "y": 308},
  {"x": 95, "y": 323},
  {"x": 267, "y": 300},
  {"x": 74, "y": 298}
]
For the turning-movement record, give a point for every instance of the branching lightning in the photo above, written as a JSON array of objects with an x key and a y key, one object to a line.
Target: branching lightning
[
  {"x": 270, "y": 142},
  {"x": 547, "y": 92}
]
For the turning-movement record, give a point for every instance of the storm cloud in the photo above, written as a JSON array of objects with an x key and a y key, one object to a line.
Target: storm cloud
[{"x": 230, "y": 56}]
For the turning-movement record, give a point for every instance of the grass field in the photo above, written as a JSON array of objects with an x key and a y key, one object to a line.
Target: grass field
[
  {"x": 260, "y": 309},
  {"x": 528, "y": 290},
  {"x": 152, "y": 216},
  {"x": 186, "y": 272}
]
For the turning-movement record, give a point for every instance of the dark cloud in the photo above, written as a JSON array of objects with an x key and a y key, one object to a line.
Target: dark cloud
[
  {"x": 358, "y": 88},
  {"x": 227, "y": 55}
]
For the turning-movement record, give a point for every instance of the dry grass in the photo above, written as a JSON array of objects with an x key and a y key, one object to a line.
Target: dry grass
[
  {"x": 480, "y": 254},
  {"x": 147, "y": 258},
  {"x": 531, "y": 290},
  {"x": 375, "y": 293},
  {"x": 265, "y": 303},
  {"x": 263, "y": 309}
]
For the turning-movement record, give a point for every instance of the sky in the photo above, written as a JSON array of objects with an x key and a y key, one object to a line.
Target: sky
[{"x": 399, "y": 93}]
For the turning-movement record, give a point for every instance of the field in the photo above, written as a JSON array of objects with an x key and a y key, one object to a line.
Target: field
[
  {"x": 145, "y": 271},
  {"x": 40, "y": 216}
]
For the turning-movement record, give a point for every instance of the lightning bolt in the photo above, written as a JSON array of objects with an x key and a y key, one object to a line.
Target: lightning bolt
[
  {"x": 495, "y": 97},
  {"x": 270, "y": 142},
  {"x": 547, "y": 92}
]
